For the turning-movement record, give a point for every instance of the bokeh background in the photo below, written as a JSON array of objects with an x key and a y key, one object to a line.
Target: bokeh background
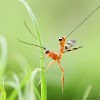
[{"x": 55, "y": 18}]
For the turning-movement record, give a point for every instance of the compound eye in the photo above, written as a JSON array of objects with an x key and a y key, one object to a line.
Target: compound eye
[
  {"x": 60, "y": 39},
  {"x": 47, "y": 51}
]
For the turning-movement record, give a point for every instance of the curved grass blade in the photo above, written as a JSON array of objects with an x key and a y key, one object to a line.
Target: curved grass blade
[
  {"x": 3, "y": 57},
  {"x": 37, "y": 32},
  {"x": 30, "y": 88},
  {"x": 11, "y": 84},
  {"x": 23, "y": 63},
  {"x": 18, "y": 86},
  {"x": 15, "y": 84},
  {"x": 3, "y": 93},
  {"x": 85, "y": 96},
  {"x": 13, "y": 95},
  {"x": 26, "y": 69}
]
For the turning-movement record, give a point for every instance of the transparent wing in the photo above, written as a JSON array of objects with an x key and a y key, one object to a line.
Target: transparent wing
[{"x": 69, "y": 44}]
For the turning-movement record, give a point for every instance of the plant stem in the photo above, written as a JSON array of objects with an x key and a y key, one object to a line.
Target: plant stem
[
  {"x": 37, "y": 32},
  {"x": 85, "y": 96}
]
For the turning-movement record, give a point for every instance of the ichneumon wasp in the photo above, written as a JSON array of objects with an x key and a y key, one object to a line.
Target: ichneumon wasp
[{"x": 56, "y": 56}]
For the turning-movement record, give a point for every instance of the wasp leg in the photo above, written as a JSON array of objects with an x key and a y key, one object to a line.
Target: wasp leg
[
  {"x": 50, "y": 64},
  {"x": 39, "y": 83},
  {"x": 62, "y": 76},
  {"x": 47, "y": 68},
  {"x": 44, "y": 57},
  {"x": 71, "y": 49},
  {"x": 43, "y": 68}
]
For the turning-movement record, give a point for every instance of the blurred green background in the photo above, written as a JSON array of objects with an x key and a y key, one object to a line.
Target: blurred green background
[{"x": 56, "y": 18}]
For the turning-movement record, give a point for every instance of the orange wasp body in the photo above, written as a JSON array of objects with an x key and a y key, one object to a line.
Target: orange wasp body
[{"x": 56, "y": 56}]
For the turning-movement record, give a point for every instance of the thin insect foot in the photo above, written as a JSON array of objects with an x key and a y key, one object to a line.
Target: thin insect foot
[
  {"x": 39, "y": 83},
  {"x": 43, "y": 68}
]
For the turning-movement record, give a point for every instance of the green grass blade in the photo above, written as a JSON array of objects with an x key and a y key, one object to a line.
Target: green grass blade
[
  {"x": 87, "y": 92},
  {"x": 3, "y": 93},
  {"x": 11, "y": 84},
  {"x": 18, "y": 86},
  {"x": 37, "y": 32},
  {"x": 37, "y": 92},
  {"x": 26, "y": 69},
  {"x": 13, "y": 95},
  {"x": 3, "y": 57},
  {"x": 23, "y": 63},
  {"x": 32, "y": 95},
  {"x": 30, "y": 87}
]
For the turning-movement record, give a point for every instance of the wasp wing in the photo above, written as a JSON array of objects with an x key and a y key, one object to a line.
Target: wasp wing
[{"x": 69, "y": 44}]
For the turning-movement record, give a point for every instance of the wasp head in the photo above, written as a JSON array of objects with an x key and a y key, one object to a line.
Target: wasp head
[
  {"x": 62, "y": 40},
  {"x": 46, "y": 51}
]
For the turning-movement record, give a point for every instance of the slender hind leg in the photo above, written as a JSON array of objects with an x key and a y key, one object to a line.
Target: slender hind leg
[
  {"x": 62, "y": 76},
  {"x": 50, "y": 64}
]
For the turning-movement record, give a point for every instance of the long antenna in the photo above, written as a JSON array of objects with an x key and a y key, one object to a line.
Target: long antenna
[
  {"x": 83, "y": 21},
  {"x": 31, "y": 44},
  {"x": 28, "y": 29}
]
